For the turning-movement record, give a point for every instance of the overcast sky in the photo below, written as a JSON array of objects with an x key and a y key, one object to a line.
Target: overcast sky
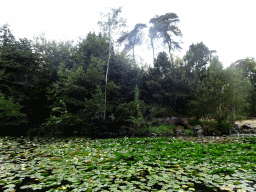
[{"x": 226, "y": 26}]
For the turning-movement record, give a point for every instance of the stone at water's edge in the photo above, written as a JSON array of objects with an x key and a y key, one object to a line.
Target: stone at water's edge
[{"x": 245, "y": 128}]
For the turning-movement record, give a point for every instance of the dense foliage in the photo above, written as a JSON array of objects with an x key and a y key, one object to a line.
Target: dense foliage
[{"x": 75, "y": 83}]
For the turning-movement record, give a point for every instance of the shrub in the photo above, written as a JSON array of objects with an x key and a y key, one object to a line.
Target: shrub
[
  {"x": 155, "y": 123},
  {"x": 162, "y": 129},
  {"x": 224, "y": 128},
  {"x": 10, "y": 114},
  {"x": 32, "y": 132},
  {"x": 195, "y": 122},
  {"x": 188, "y": 132},
  {"x": 124, "y": 111},
  {"x": 158, "y": 111}
]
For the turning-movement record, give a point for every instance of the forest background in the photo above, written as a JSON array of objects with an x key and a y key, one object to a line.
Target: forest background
[{"x": 46, "y": 82}]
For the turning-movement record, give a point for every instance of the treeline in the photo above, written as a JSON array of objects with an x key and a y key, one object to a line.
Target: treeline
[{"x": 63, "y": 84}]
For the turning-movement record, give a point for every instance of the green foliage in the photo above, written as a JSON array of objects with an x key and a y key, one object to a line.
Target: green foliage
[
  {"x": 108, "y": 27},
  {"x": 155, "y": 123},
  {"x": 218, "y": 95},
  {"x": 55, "y": 125},
  {"x": 225, "y": 128},
  {"x": 70, "y": 83},
  {"x": 95, "y": 106},
  {"x": 60, "y": 93},
  {"x": 111, "y": 21},
  {"x": 247, "y": 68},
  {"x": 91, "y": 46},
  {"x": 138, "y": 119},
  {"x": 194, "y": 122},
  {"x": 162, "y": 129},
  {"x": 10, "y": 112},
  {"x": 125, "y": 110},
  {"x": 197, "y": 58},
  {"x": 162, "y": 63},
  {"x": 158, "y": 111},
  {"x": 188, "y": 132},
  {"x": 165, "y": 24},
  {"x": 134, "y": 37}
]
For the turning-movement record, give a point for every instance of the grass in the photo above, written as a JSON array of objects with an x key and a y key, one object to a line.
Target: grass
[{"x": 128, "y": 164}]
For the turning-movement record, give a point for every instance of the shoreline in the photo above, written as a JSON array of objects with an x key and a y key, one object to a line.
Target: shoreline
[{"x": 251, "y": 122}]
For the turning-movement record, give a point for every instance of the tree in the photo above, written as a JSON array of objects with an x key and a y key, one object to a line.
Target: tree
[
  {"x": 91, "y": 46},
  {"x": 196, "y": 59},
  {"x": 152, "y": 36},
  {"x": 163, "y": 25},
  {"x": 10, "y": 114},
  {"x": 78, "y": 94},
  {"x": 52, "y": 53},
  {"x": 123, "y": 73},
  {"x": 112, "y": 23},
  {"x": 22, "y": 69},
  {"x": 214, "y": 97},
  {"x": 162, "y": 63},
  {"x": 133, "y": 37},
  {"x": 138, "y": 119},
  {"x": 248, "y": 68}
]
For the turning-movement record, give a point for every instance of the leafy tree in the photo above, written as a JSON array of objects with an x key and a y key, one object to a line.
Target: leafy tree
[
  {"x": 10, "y": 114},
  {"x": 22, "y": 69},
  {"x": 241, "y": 92},
  {"x": 138, "y": 119},
  {"x": 152, "y": 36},
  {"x": 248, "y": 68},
  {"x": 123, "y": 72},
  {"x": 59, "y": 92},
  {"x": 162, "y": 63},
  {"x": 152, "y": 87},
  {"x": 133, "y": 37},
  {"x": 214, "y": 97},
  {"x": 163, "y": 25},
  {"x": 92, "y": 46},
  {"x": 196, "y": 59},
  {"x": 52, "y": 53},
  {"x": 112, "y": 23},
  {"x": 62, "y": 92},
  {"x": 171, "y": 90}
]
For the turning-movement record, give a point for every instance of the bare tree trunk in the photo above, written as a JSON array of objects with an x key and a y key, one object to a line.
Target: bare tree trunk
[
  {"x": 153, "y": 51},
  {"x": 109, "y": 53},
  {"x": 170, "y": 48},
  {"x": 133, "y": 55},
  {"x": 234, "y": 107}
]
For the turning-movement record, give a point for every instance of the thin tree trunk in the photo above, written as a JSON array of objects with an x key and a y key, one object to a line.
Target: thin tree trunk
[
  {"x": 109, "y": 53},
  {"x": 133, "y": 54},
  {"x": 153, "y": 51},
  {"x": 171, "y": 54}
]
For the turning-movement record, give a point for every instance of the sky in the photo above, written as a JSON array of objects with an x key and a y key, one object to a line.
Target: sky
[{"x": 226, "y": 26}]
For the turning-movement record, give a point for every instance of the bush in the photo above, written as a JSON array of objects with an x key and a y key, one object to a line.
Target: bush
[
  {"x": 162, "y": 129},
  {"x": 159, "y": 111},
  {"x": 188, "y": 132},
  {"x": 224, "y": 128},
  {"x": 125, "y": 110},
  {"x": 195, "y": 122},
  {"x": 10, "y": 114},
  {"x": 32, "y": 132},
  {"x": 155, "y": 123}
]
